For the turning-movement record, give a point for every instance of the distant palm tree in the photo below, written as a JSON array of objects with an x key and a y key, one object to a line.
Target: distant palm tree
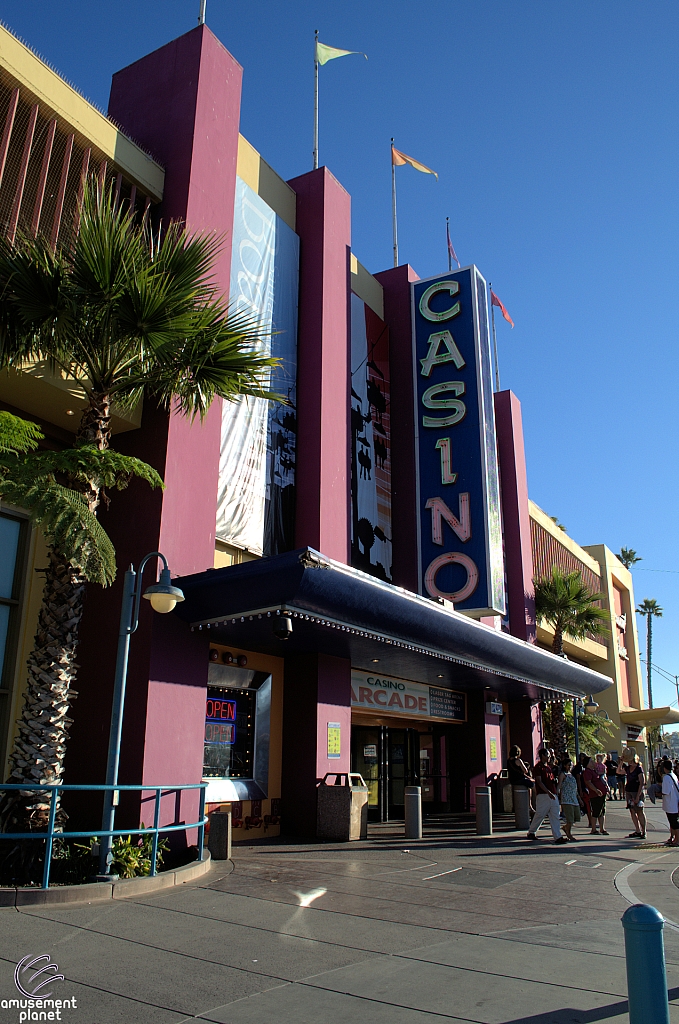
[
  {"x": 651, "y": 609},
  {"x": 628, "y": 557},
  {"x": 567, "y": 604}
]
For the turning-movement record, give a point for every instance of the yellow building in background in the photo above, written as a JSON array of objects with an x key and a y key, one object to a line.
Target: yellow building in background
[{"x": 615, "y": 655}]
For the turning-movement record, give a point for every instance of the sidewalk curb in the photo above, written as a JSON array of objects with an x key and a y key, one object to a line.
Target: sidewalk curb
[{"x": 97, "y": 892}]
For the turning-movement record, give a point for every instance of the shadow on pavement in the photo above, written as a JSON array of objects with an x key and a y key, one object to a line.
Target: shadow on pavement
[{"x": 569, "y": 1015}]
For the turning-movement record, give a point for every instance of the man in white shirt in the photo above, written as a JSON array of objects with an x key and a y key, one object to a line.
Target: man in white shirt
[{"x": 670, "y": 800}]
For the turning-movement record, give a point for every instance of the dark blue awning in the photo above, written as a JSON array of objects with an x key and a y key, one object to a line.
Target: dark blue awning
[{"x": 340, "y": 611}]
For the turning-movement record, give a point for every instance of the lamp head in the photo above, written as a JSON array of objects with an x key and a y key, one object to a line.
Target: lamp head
[
  {"x": 591, "y": 706},
  {"x": 282, "y": 627},
  {"x": 162, "y": 595}
]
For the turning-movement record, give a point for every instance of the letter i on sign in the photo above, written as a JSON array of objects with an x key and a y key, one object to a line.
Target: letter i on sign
[{"x": 447, "y": 474}]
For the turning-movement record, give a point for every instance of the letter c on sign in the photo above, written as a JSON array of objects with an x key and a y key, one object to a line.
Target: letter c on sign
[
  {"x": 452, "y": 287},
  {"x": 457, "y": 558}
]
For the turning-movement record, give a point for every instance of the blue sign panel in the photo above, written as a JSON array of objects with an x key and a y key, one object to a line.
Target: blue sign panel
[{"x": 458, "y": 493}]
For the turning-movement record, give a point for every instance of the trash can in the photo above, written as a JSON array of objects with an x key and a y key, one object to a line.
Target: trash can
[
  {"x": 503, "y": 802},
  {"x": 342, "y": 807}
]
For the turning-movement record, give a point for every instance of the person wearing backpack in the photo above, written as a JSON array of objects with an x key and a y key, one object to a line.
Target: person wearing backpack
[{"x": 670, "y": 800}]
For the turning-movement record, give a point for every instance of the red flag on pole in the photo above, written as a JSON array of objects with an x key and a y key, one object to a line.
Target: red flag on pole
[
  {"x": 496, "y": 302},
  {"x": 451, "y": 248}
]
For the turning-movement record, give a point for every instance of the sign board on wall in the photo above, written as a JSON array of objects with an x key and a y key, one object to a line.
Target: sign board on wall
[
  {"x": 391, "y": 696},
  {"x": 334, "y": 739},
  {"x": 460, "y": 538}
]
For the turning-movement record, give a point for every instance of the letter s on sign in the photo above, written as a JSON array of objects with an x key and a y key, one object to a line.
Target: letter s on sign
[
  {"x": 452, "y": 557},
  {"x": 452, "y": 287},
  {"x": 429, "y": 401}
]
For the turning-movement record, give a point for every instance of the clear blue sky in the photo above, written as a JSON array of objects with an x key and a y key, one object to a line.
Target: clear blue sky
[{"x": 553, "y": 127}]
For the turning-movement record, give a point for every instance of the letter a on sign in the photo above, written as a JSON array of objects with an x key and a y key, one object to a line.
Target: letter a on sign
[
  {"x": 440, "y": 511},
  {"x": 450, "y": 353}
]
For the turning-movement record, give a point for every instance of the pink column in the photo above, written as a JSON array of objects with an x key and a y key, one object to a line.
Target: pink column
[
  {"x": 317, "y": 692},
  {"x": 182, "y": 103},
  {"x": 396, "y": 284},
  {"x": 515, "y": 517},
  {"x": 323, "y": 371}
]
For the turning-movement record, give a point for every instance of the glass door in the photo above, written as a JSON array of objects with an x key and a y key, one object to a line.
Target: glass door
[{"x": 366, "y": 749}]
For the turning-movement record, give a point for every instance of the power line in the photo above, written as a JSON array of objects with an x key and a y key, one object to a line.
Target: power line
[{"x": 640, "y": 568}]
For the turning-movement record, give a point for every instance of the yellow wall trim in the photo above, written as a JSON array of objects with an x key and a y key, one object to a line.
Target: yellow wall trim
[
  {"x": 367, "y": 287},
  {"x": 268, "y": 185}
]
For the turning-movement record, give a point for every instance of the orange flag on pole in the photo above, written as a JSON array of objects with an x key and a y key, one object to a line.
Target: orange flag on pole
[
  {"x": 496, "y": 302},
  {"x": 399, "y": 159}
]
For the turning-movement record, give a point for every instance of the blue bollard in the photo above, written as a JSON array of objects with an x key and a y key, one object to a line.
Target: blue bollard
[{"x": 645, "y": 957}]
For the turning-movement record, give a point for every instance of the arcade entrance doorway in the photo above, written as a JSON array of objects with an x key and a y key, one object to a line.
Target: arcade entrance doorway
[{"x": 411, "y": 754}]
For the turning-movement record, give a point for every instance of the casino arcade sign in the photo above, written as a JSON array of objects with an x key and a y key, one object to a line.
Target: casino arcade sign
[{"x": 460, "y": 539}]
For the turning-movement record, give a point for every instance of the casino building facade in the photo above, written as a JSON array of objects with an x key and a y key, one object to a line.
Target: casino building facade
[{"x": 357, "y": 563}]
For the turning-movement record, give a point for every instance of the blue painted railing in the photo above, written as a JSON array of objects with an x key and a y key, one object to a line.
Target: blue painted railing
[{"x": 56, "y": 790}]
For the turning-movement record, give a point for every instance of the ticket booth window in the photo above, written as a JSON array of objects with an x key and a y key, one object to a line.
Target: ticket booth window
[{"x": 229, "y": 733}]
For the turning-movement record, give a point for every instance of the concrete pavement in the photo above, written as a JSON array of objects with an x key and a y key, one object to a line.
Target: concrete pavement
[{"x": 497, "y": 931}]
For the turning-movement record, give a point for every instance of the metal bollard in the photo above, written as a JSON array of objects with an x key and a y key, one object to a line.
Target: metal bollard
[
  {"x": 645, "y": 956},
  {"x": 521, "y": 807},
  {"x": 484, "y": 811},
  {"x": 219, "y": 837},
  {"x": 413, "y": 812}
]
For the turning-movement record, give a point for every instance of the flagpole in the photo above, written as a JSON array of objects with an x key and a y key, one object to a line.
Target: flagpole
[
  {"x": 450, "y": 258},
  {"x": 316, "y": 100},
  {"x": 492, "y": 317},
  {"x": 393, "y": 204},
  {"x": 201, "y": 13}
]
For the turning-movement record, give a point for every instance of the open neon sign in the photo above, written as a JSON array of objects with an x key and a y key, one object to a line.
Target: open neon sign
[{"x": 220, "y": 721}]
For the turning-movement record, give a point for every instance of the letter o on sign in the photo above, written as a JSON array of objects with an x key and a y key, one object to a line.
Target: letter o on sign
[
  {"x": 452, "y": 287},
  {"x": 452, "y": 558}
]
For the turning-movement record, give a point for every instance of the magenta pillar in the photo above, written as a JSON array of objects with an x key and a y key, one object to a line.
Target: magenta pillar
[
  {"x": 515, "y": 517},
  {"x": 323, "y": 370},
  {"x": 396, "y": 284},
  {"x": 317, "y": 694},
  {"x": 182, "y": 103}
]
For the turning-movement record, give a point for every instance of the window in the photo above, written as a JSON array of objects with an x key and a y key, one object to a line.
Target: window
[
  {"x": 237, "y": 721},
  {"x": 229, "y": 733},
  {"x": 11, "y": 564}
]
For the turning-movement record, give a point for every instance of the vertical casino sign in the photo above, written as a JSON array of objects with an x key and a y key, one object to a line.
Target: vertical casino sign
[{"x": 460, "y": 534}]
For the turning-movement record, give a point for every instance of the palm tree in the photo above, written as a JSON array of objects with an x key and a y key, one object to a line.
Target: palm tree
[
  {"x": 629, "y": 557},
  {"x": 127, "y": 316},
  {"x": 650, "y": 608},
  {"x": 567, "y": 604},
  {"x": 79, "y": 552}
]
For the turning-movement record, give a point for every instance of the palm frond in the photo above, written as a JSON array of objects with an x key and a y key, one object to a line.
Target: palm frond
[
  {"x": 566, "y": 603},
  {"x": 85, "y": 464},
  {"x": 68, "y": 525},
  {"x": 18, "y": 435}
]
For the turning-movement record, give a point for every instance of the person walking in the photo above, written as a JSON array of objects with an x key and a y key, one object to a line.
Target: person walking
[
  {"x": 519, "y": 774},
  {"x": 670, "y": 800},
  {"x": 611, "y": 777},
  {"x": 596, "y": 786},
  {"x": 621, "y": 776},
  {"x": 634, "y": 792},
  {"x": 546, "y": 800},
  {"x": 583, "y": 792},
  {"x": 567, "y": 790}
]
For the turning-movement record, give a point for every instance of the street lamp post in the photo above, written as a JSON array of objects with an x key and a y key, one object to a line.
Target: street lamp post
[
  {"x": 163, "y": 597},
  {"x": 576, "y": 729}
]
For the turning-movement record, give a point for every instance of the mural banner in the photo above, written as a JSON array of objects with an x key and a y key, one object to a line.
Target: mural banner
[
  {"x": 255, "y": 502},
  {"x": 370, "y": 442}
]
